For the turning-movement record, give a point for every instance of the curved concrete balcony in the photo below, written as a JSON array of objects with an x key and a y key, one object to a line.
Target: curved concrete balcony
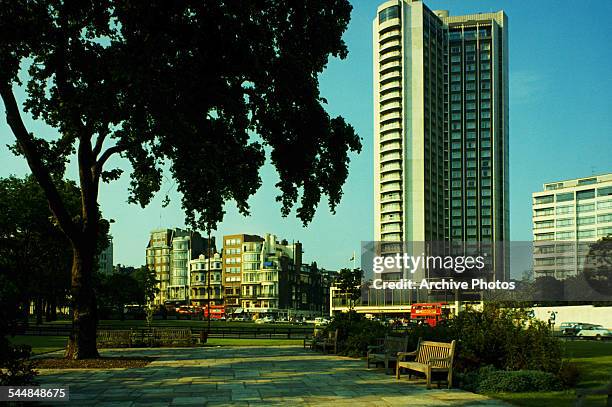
[
  {"x": 391, "y": 115},
  {"x": 391, "y": 168},
  {"x": 390, "y": 136},
  {"x": 390, "y": 157},
  {"x": 391, "y": 187},
  {"x": 394, "y": 85},
  {"x": 394, "y": 95},
  {"x": 390, "y": 236},
  {"x": 389, "y": 56},
  {"x": 394, "y": 74},
  {"x": 392, "y": 22},
  {"x": 395, "y": 219},
  {"x": 389, "y": 34},
  {"x": 391, "y": 147},
  {"x": 389, "y": 65},
  {"x": 390, "y": 126},
  {"x": 387, "y": 107},
  {"x": 391, "y": 228},
  {"x": 391, "y": 177},
  {"x": 391, "y": 210},
  {"x": 390, "y": 45}
]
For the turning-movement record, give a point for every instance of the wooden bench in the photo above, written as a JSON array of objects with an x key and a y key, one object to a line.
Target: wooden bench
[
  {"x": 429, "y": 358},
  {"x": 326, "y": 342},
  {"x": 172, "y": 336},
  {"x": 387, "y": 351},
  {"x": 581, "y": 394},
  {"x": 107, "y": 338}
]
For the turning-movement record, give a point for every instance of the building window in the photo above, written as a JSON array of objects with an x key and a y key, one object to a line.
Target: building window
[
  {"x": 588, "y": 194},
  {"x": 565, "y": 197},
  {"x": 564, "y": 235},
  {"x": 388, "y": 13},
  {"x": 604, "y": 218},
  {"x": 587, "y": 220},
  {"x": 605, "y": 191},
  {"x": 585, "y": 208},
  {"x": 538, "y": 200},
  {"x": 604, "y": 205},
  {"x": 607, "y": 231},
  {"x": 586, "y": 234},
  {"x": 565, "y": 222}
]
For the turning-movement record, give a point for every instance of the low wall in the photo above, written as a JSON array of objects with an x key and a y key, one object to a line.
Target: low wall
[{"x": 577, "y": 313}]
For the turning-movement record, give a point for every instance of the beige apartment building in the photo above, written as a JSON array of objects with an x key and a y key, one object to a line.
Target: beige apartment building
[
  {"x": 204, "y": 283},
  {"x": 566, "y": 215},
  {"x": 168, "y": 253},
  {"x": 440, "y": 136},
  {"x": 232, "y": 268}
]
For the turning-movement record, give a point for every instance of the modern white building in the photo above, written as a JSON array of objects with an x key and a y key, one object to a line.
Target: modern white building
[
  {"x": 440, "y": 124},
  {"x": 440, "y": 131},
  {"x": 565, "y": 214}
]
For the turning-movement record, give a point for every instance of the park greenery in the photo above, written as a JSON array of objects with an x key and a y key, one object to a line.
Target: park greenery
[
  {"x": 202, "y": 90},
  {"x": 496, "y": 346}
]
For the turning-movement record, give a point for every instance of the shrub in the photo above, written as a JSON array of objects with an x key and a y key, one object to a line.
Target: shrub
[
  {"x": 356, "y": 332},
  {"x": 518, "y": 381},
  {"x": 569, "y": 374},
  {"x": 16, "y": 366},
  {"x": 505, "y": 338}
]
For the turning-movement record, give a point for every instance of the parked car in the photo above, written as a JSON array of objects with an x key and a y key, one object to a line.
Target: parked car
[
  {"x": 575, "y": 327},
  {"x": 265, "y": 320},
  {"x": 321, "y": 321},
  {"x": 595, "y": 332},
  {"x": 568, "y": 328}
]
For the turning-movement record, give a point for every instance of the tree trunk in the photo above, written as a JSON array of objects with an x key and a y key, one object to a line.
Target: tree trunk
[
  {"x": 53, "y": 315},
  {"x": 82, "y": 341},
  {"x": 39, "y": 310}
]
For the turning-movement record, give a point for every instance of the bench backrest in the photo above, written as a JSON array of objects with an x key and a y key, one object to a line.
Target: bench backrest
[
  {"x": 114, "y": 334},
  {"x": 438, "y": 350},
  {"x": 394, "y": 344},
  {"x": 169, "y": 333}
]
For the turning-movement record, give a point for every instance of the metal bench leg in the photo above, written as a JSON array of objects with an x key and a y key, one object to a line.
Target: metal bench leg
[
  {"x": 450, "y": 378},
  {"x": 397, "y": 371},
  {"x": 428, "y": 376}
]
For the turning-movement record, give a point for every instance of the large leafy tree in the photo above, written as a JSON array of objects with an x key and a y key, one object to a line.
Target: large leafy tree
[
  {"x": 201, "y": 88},
  {"x": 34, "y": 254}
]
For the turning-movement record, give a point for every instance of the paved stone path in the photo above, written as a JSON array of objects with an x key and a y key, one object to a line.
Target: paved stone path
[{"x": 249, "y": 376}]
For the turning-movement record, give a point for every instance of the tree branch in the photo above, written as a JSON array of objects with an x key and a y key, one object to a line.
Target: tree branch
[
  {"x": 105, "y": 156},
  {"x": 42, "y": 175},
  {"x": 99, "y": 142}
]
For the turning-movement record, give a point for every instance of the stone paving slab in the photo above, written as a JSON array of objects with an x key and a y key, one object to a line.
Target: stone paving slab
[{"x": 249, "y": 376}]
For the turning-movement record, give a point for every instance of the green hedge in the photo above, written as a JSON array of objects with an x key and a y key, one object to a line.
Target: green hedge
[
  {"x": 491, "y": 380},
  {"x": 356, "y": 333}
]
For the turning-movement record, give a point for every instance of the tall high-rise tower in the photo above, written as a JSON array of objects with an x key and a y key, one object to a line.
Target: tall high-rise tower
[{"x": 440, "y": 125}]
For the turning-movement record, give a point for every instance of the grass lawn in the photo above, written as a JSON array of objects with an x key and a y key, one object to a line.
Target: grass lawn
[
  {"x": 594, "y": 359},
  {"x": 43, "y": 344},
  {"x": 188, "y": 323}
]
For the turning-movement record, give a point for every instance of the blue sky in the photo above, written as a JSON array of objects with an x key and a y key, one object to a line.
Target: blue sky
[{"x": 560, "y": 127}]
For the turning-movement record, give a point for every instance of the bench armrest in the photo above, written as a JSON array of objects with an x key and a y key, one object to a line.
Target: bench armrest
[
  {"x": 403, "y": 355},
  {"x": 372, "y": 347}
]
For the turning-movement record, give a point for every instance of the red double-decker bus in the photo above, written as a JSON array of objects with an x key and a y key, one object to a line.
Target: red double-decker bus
[
  {"x": 430, "y": 313},
  {"x": 216, "y": 312}
]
